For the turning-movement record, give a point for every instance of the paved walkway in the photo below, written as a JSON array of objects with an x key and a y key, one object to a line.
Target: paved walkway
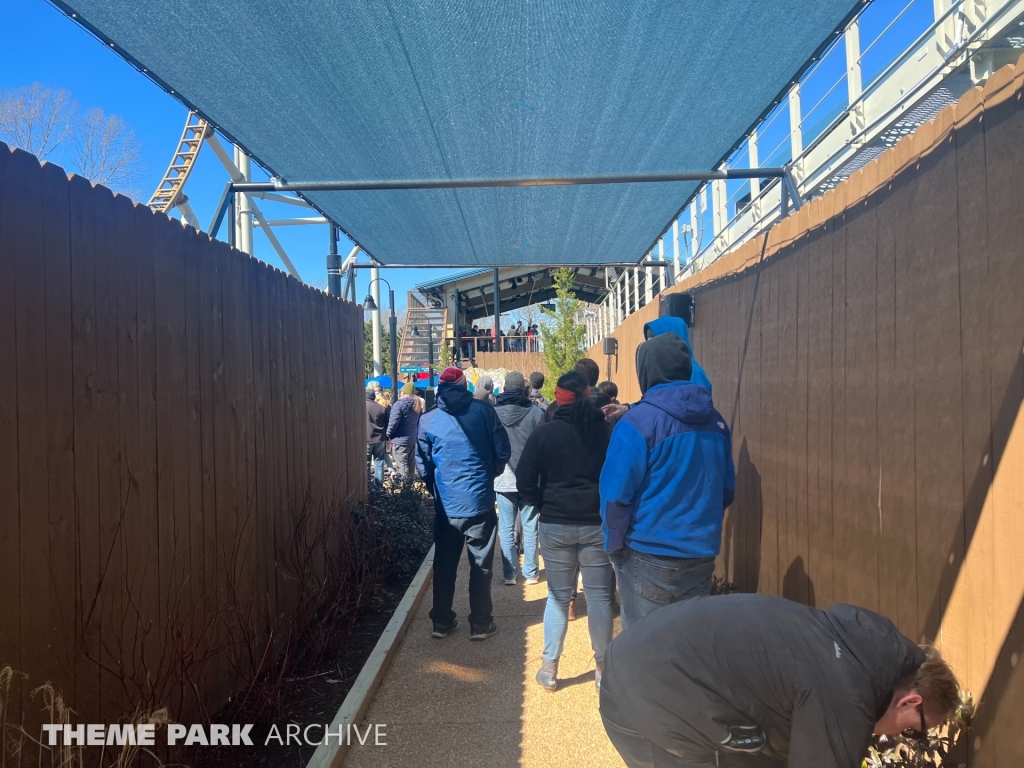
[{"x": 456, "y": 703}]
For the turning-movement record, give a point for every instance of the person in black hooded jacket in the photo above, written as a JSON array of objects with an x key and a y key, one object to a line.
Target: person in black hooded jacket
[
  {"x": 558, "y": 473},
  {"x": 755, "y": 680}
]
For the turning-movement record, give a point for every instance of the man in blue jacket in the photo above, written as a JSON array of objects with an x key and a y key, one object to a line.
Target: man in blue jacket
[
  {"x": 402, "y": 429},
  {"x": 460, "y": 448},
  {"x": 664, "y": 496}
]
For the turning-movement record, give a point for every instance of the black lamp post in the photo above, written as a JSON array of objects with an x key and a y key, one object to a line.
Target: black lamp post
[{"x": 370, "y": 305}]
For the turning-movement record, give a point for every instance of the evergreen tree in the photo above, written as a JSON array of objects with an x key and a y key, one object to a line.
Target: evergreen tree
[
  {"x": 385, "y": 349},
  {"x": 564, "y": 337}
]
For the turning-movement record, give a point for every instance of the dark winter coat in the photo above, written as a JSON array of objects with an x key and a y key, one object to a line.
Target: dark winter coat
[
  {"x": 814, "y": 681},
  {"x": 558, "y": 471},
  {"x": 376, "y": 420},
  {"x": 460, "y": 449},
  {"x": 519, "y": 417},
  {"x": 404, "y": 422}
]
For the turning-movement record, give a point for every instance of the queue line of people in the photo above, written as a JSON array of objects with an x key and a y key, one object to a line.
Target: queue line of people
[{"x": 692, "y": 680}]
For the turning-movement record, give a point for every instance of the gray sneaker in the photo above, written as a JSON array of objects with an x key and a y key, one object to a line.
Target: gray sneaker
[
  {"x": 442, "y": 631},
  {"x": 483, "y": 632}
]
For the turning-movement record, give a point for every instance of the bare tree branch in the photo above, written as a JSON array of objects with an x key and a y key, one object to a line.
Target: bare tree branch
[
  {"x": 36, "y": 118},
  {"x": 47, "y": 121},
  {"x": 105, "y": 150}
]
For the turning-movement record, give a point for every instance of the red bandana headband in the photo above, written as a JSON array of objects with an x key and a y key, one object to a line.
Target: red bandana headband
[{"x": 567, "y": 396}]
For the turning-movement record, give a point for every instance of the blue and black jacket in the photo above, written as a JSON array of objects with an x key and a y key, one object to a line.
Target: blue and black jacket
[
  {"x": 669, "y": 475},
  {"x": 461, "y": 447},
  {"x": 678, "y": 326}
]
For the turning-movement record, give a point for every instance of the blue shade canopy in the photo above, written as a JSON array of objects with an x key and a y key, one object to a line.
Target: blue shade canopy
[{"x": 454, "y": 89}]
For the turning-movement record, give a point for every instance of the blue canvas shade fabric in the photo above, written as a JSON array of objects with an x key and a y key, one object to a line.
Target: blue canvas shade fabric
[{"x": 452, "y": 89}]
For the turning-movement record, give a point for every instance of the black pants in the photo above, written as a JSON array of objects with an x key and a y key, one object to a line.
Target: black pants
[
  {"x": 637, "y": 751},
  {"x": 450, "y": 534}
]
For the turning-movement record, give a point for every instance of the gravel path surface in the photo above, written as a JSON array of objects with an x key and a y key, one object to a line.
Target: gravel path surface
[{"x": 457, "y": 703}]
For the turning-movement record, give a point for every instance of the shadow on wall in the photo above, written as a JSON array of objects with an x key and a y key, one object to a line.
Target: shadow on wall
[
  {"x": 994, "y": 733},
  {"x": 797, "y": 585},
  {"x": 742, "y": 537}
]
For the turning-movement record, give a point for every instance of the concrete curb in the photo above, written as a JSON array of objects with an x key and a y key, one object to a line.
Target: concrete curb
[{"x": 353, "y": 709}]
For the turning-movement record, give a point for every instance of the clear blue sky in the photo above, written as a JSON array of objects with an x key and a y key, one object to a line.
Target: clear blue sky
[{"x": 42, "y": 45}]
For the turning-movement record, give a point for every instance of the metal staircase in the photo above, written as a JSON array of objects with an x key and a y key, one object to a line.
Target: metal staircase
[{"x": 423, "y": 323}]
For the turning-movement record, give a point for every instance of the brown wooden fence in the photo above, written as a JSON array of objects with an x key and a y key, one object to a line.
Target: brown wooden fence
[
  {"x": 168, "y": 405},
  {"x": 867, "y": 354}
]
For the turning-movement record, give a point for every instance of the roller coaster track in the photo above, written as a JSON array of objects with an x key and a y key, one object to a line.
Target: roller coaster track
[{"x": 169, "y": 189}]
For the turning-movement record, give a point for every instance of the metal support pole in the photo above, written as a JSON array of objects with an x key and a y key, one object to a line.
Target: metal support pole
[
  {"x": 333, "y": 264},
  {"x": 393, "y": 330},
  {"x": 754, "y": 158},
  {"x": 430, "y": 355},
  {"x": 378, "y": 366},
  {"x": 719, "y": 206},
  {"x": 851, "y": 38},
  {"x": 796, "y": 131},
  {"x": 232, "y": 222},
  {"x": 675, "y": 247},
  {"x": 497, "y": 313},
  {"x": 244, "y": 207},
  {"x": 457, "y": 330}
]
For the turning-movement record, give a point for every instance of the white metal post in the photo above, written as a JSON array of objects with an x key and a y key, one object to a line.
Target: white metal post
[
  {"x": 244, "y": 207},
  {"x": 854, "y": 86},
  {"x": 719, "y": 206},
  {"x": 618, "y": 301},
  {"x": 695, "y": 232},
  {"x": 796, "y": 131},
  {"x": 378, "y": 365},
  {"x": 648, "y": 277},
  {"x": 752, "y": 156},
  {"x": 675, "y": 247},
  {"x": 636, "y": 289}
]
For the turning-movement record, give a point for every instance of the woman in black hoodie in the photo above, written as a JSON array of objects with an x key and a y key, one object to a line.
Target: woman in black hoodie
[{"x": 558, "y": 473}]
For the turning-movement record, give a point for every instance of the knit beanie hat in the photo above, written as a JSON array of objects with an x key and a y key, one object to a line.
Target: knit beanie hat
[
  {"x": 453, "y": 376},
  {"x": 515, "y": 380},
  {"x": 409, "y": 388}
]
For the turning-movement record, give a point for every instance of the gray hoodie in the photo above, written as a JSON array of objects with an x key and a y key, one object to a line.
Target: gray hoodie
[{"x": 519, "y": 417}]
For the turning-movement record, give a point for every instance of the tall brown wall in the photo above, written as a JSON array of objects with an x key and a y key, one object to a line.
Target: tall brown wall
[
  {"x": 867, "y": 353},
  {"x": 167, "y": 405}
]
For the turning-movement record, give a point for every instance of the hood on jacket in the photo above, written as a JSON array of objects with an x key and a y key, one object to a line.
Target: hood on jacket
[
  {"x": 668, "y": 324},
  {"x": 678, "y": 326},
  {"x": 683, "y": 401},
  {"x": 663, "y": 359},
  {"x": 453, "y": 398},
  {"x": 512, "y": 414},
  {"x": 863, "y": 634},
  {"x": 371, "y": 395}
]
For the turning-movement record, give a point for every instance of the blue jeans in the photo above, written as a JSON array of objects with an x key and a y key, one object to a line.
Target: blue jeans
[
  {"x": 508, "y": 504},
  {"x": 648, "y": 582},
  {"x": 566, "y": 547},
  {"x": 377, "y": 453}
]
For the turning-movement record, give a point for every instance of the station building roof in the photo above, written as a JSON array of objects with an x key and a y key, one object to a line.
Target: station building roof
[{"x": 478, "y": 89}]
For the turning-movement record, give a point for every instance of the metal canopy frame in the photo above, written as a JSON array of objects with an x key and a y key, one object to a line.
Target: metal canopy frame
[{"x": 278, "y": 185}]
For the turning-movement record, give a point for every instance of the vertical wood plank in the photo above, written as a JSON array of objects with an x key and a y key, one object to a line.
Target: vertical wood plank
[
  {"x": 819, "y": 415},
  {"x": 30, "y": 330},
  {"x": 770, "y": 578},
  {"x": 84, "y": 363},
  {"x": 861, "y": 498},
  {"x": 840, "y": 514},
  {"x": 893, "y": 561},
  {"x": 60, "y": 459}
]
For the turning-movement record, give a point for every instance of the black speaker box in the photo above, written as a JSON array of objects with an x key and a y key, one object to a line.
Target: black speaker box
[{"x": 679, "y": 305}]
